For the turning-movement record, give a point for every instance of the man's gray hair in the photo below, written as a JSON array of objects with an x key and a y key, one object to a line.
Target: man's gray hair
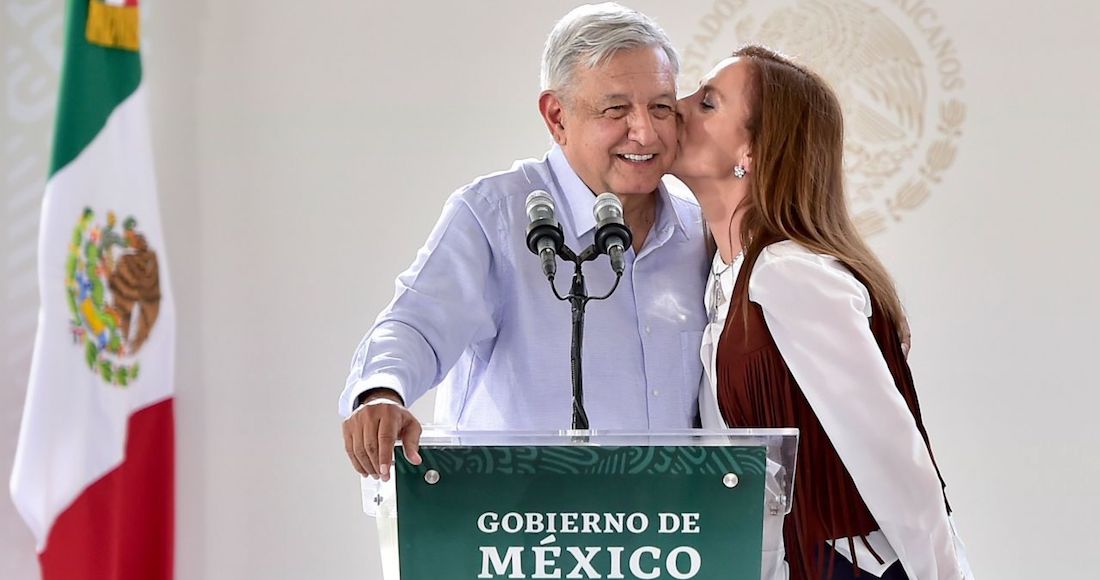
[{"x": 591, "y": 34}]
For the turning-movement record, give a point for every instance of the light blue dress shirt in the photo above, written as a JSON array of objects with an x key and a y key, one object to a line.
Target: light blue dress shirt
[{"x": 475, "y": 315}]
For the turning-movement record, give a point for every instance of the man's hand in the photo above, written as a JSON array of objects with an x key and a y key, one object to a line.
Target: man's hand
[
  {"x": 905, "y": 334},
  {"x": 371, "y": 432}
]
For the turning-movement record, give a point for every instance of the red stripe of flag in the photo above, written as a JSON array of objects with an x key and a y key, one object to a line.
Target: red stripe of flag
[{"x": 121, "y": 527}]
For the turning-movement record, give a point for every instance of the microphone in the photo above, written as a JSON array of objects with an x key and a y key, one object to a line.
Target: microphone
[
  {"x": 612, "y": 235},
  {"x": 544, "y": 235}
]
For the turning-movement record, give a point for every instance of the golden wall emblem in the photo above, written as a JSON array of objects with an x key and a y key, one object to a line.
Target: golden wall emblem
[{"x": 895, "y": 69}]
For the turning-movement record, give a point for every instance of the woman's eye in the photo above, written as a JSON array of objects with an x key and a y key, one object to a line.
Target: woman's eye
[{"x": 705, "y": 102}]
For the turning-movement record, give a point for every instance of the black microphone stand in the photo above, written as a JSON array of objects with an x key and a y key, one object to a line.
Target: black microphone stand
[
  {"x": 607, "y": 235},
  {"x": 578, "y": 299}
]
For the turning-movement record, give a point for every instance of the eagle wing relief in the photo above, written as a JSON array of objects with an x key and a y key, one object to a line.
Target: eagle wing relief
[
  {"x": 135, "y": 285},
  {"x": 877, "y": 74}
]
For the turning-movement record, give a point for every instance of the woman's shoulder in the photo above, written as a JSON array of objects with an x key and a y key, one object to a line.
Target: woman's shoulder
[
  {"x": 794, "y": 254},
  {"x": 792, "y": 271}
]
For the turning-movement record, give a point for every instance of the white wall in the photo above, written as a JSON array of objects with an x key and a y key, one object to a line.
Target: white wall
[
  {"x": 304, "y": 151},
  {"x": 30, "y": 33}
]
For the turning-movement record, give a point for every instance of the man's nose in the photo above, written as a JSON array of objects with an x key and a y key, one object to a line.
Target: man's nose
[{"x": 641, "y": 128}]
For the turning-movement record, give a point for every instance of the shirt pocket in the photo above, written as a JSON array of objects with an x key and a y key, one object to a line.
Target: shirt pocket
[{"x": 691, "y": 363}]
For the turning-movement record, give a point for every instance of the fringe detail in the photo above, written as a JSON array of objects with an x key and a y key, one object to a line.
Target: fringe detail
[
  {"x": 867, "y": 545},
  {"x": 825, "y": 505},
  {"x": 113, "y": 26}
]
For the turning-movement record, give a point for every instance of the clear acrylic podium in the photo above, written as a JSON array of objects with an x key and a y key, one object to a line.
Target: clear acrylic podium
[{"x": 694, "y": 503}]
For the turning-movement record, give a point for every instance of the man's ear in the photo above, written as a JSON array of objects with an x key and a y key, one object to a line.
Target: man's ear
[{"x": 553, "y": 113}]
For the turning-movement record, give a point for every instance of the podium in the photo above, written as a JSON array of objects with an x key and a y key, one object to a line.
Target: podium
[{"x": 685, "y": 504}]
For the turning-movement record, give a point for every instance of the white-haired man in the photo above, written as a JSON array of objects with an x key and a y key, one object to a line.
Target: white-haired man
[{"x": 474, "y": 314}]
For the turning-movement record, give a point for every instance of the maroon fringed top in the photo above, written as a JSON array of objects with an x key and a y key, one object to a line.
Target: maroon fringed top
[{"x": 756, "y": 389}]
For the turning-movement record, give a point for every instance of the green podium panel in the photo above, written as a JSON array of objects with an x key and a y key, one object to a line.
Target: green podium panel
[{"x": 583, "y": 505}]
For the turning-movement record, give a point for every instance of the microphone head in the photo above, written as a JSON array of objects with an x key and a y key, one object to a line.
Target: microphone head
[
  {"x": 542, "y": 228},
  {"x": 608, "y": 208},
  {"x": 540, "y": 206},
  {"x": 611, "y": 230}
]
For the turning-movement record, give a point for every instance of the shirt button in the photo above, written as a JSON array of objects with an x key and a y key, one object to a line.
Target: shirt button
[
  {"x": 647, "y": 329},
  {"x": 656, "y": 392}
]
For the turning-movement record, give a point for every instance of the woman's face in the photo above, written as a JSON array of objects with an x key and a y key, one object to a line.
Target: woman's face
[{"x": 713, "y": 138}]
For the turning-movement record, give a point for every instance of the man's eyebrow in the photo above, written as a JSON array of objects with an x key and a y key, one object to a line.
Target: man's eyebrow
[
  {"x": 619, "y": 97},
  {"x": 614, "y": 97}
]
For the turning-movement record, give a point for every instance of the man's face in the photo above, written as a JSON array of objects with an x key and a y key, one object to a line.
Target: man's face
[{"x": 616, "y": 123}]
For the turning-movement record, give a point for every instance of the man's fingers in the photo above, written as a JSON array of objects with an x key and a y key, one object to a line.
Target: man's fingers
[
  {"x": 410, "y": 437},
  {"x": 369, "y": 433},
  {"x": 363, "y": 454},
  {"x": 387, "y": 437},
  {"x": 349, "y": 448},
  {"x": 905, "y": 333}
]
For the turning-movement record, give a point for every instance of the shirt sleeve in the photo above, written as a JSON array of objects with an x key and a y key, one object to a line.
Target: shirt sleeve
[
  {"x": 443, "y": 303},
  {"x": 817, "y": 313}
]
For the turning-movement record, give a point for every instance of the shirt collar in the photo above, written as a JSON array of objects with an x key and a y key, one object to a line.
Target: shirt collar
[{"x": 579, "y": 198}]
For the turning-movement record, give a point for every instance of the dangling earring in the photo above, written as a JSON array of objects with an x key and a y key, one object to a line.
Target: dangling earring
[{"x": 739, "y": 171}]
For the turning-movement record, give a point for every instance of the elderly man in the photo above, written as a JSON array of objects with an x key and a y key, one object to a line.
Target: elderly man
[{"x": 474, "y": 313}]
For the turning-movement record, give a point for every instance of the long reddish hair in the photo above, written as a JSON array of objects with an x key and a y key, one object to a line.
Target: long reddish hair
[{"x": 796, "y": 188}]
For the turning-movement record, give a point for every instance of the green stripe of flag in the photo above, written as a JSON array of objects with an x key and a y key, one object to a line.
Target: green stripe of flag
[{"x": 94, "y": 80}]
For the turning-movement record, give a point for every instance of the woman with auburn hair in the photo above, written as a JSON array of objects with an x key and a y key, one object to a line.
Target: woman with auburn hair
[{"x": 805, "y": 327}]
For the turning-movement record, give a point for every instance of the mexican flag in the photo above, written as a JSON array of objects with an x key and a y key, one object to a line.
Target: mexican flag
[{"x": 93, "y": 474}]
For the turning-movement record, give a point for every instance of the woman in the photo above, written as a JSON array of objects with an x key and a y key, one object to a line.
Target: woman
[{"x": 805, "y": 326}]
